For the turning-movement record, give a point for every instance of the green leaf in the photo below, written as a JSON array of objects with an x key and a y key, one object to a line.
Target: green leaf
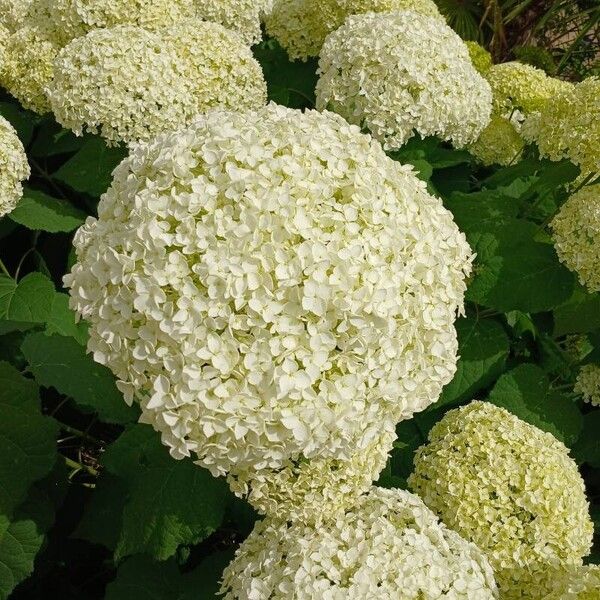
[
  {"x": 513, "y": 271},
  {"x": 90, "y": 170},
  {"x": 102, "y": 520},
  {"x": 20, "y": 541},
  {"x": 587, "y": 448},
  {"x": 483, "y": 347},
  {"x": 23, "y": 121},
  {"x": 52, "y": 139},
  {"x": 62, "y": 363},
  {"x": 62, "y": 320},
  {"x": 289, "y": 83},
  {"x": 39, "y": 211},
  {"x": 27, "y": 438},
  {"x": 141, "y": 577},
  {"x": 22, "y": 536},
  {"x": 581, "y": 314},
  {"x": 170, "y": 502},
  {"x": 525, "y": 392},
  {"x": 29, "y": 300}
]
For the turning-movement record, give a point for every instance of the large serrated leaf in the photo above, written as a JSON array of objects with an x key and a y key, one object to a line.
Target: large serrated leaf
[
  {"x": 525, "y": 391},
  {"x": 27, "y": 438},
  {"x": 170, "y": 502},
  {"x": 483, "y": 348},
  {"x": 514, "y": 271},
  {"x": 90, "y": 170},
  {"x": 62, "y": 363},
  {"x": 38, "y": 211},
  {"x": 28, "y": 301}
]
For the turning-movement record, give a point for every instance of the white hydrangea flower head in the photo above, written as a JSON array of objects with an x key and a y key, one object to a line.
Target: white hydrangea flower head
[
  {"x": 569, "y": 126},
  {"x": 271, "y": 287},
  {"x": 578, "y": 583},
  {"x": 480, "y": 57},
  {"x": 4, "y": 34},
  {"x": 301, "y": 26},
  {"x": 243, "y": 16},
  {"x": 316, "y": 489},
  {"x": 500, "y": 143},
  {"x": 220, "y": 68},
  {"x": 13, "y": 13},
  {"x": 77, "y": 17},
  {"x": 402, "y": 73},
  {"x": 520, "y": 86},
  {"x": 588, "y": 383},
  {"x": 129, "y": 84},
  {"x": 14, "y": 167},
  {"x": 576, "y": 235},
  {"x": 29, "y": 54},
  {"x": 389, "y": 545},
  {"x": 510, "y": 488}
]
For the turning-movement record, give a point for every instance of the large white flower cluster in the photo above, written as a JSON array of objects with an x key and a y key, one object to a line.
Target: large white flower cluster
[
  {"x": 301, "y": 26},
  {"x": 271, "y": 287},
  {"x": 402, "y": 73},
  {"x": 388, "y": 546},
  {"x": 14, "y": 167},
  {"x": 510, "y": 488},
  {"x": 588, "y": 383},
  {"x": 576, "y": 235},
  {"x": 129, "y": 83}
]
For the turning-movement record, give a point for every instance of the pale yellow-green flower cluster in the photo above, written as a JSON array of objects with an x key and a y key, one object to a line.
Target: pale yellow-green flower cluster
[
  {"x": 40, "y": 29},
  {"x": 588, "y": 383},
  {"x": 569, "y": 126},
  {"x": 317, "y": 489},
  {"x": 499, "y": 143},
  {"x": 387, "y": 546},
  {"x": 402, "y": 73},
  {"x": 576, "y": 235},
  {"x": 518, "y": 90},
  {"x": 129, "y": 84},
  {"x": 301, "y": 26},
  {"x": 577, "y": 583},
  {"x": 480, "y": 57},
  {"x": 13, "y": 13},
  {"x": 14, "y": 167},
  {"x": 510, "y": 488}
]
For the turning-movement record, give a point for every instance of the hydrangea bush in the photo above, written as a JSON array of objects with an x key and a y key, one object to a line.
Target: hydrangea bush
[{"x": 252, "y": 278}]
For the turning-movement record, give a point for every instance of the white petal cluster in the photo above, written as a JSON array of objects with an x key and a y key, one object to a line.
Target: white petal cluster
[
  {"x": 388, "y": 546},
  {"x": 272, "y": 288},
  {"x": 301, "y": 26},
  {"x": 588, "y": 383},
  {"x": 13, "y": 167},
  {"x": 129, "y": 84},
  {"x": 510, "y": 488},
  {"x": 77, "y": 17},
  {"x": 402, "y": 73},
  {"x": 314, "y": 490},
  {"x": 576, "y": 235},
  {"x": 568, "y": 126},
  {"x": 243, "y": 16}
]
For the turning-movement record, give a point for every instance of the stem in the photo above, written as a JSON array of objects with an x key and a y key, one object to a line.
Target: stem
[
  {"x": 4, "y": 269},
  {"x": 80, "y": 467},
  {"x": 80, "y": 434}
]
